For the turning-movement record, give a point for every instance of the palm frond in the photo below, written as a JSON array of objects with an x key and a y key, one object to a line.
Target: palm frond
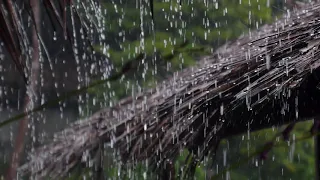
[
  {"x": 264, "y": 79},
  {"x": 13, "y": 29}
]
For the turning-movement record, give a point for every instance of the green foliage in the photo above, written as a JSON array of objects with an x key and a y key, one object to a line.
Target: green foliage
[
  {"x": 130, "y": 30},
  {"x": 292, "y": 160}
]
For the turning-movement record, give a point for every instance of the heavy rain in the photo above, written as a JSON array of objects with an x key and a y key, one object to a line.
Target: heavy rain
[{"x": 159, "y": 89}]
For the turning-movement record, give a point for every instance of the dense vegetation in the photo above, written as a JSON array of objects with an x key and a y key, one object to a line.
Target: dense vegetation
[{"x": 202, "y": 25}]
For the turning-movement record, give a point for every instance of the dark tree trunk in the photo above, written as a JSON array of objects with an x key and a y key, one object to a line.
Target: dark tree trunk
[{"x": 30, "y": 97}]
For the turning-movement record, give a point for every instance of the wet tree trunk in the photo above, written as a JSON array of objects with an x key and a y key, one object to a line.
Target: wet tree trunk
[{"x": 30, "y": 96}]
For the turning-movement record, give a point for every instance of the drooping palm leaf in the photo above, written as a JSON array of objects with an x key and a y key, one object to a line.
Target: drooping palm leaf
[
  {"x": 11, "y": 35},
  {"x": 12, "y": 31}
]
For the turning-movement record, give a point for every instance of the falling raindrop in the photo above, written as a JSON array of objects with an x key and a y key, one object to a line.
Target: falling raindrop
[{"x": 268, "y": 61}]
